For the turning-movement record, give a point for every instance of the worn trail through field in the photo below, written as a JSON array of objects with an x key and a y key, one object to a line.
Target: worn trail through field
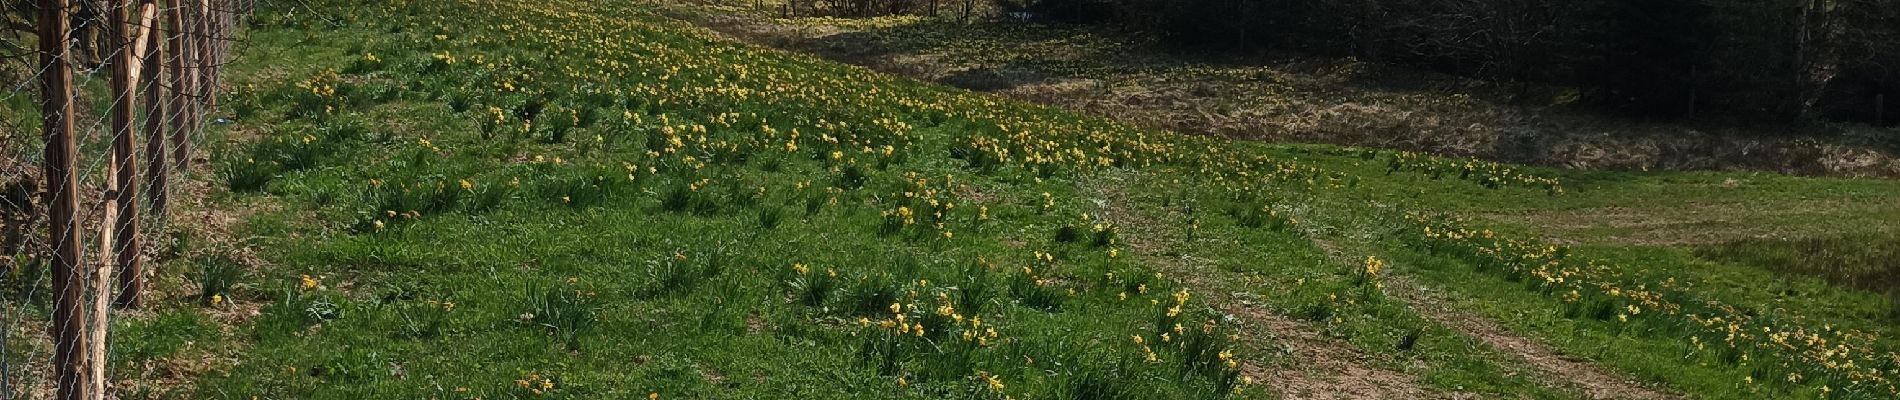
[
  {"x": 1563, "y": 370},
  {"x": 1322, "y": 367},
  {"x": 1592, "y": 380},
  {"x": 1312, "y": 365}
]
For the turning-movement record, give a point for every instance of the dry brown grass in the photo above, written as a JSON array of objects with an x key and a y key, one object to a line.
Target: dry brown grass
[{"x": 1309, "y": 99}]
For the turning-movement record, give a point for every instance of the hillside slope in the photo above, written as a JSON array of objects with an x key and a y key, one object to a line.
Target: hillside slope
[{"x": 574, "y": 199}]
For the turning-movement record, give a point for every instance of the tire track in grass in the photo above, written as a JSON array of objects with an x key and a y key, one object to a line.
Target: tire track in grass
[
  {"x": 1311, "y": 365},
  {"x": 1589, "y": 379},
  {"x": 1334, "y": 370},
  {"x": 1592, "y": 380}
]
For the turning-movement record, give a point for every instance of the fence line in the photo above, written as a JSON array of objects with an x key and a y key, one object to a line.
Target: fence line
[{"x": 162, "y": 60}]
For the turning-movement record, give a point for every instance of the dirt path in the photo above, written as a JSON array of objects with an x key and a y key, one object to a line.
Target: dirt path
[
  {"x": 1554, "y": 366},
  {"x": 1316, "y": 366},
  {"x": 1311, "y": 365},
  {"x": 1327, "y": 369},
  {"x": 1592, "y": 380},
  {"x": 1320, "y": 367}
]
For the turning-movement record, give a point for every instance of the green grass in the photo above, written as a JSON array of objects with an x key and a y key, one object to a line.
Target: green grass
[
  {"x": 568, "y": 199},
  {"x": 1862, "y": 262},
  {"x": 618, "y": 246}
]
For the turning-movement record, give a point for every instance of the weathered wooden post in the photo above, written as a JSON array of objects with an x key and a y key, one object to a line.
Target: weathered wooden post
[
  {"x": 155, "y": 116},
  {"x": 181, "y": 84},
  {"x": 214, "y": 53},
  {"x": 70, "y": 341},
  {"x": 205, "y": 71},
  {"x": 127, "y": 70}
]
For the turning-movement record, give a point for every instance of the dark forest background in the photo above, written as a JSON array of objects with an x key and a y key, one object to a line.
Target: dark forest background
[{"x": 1756, "y": 60}]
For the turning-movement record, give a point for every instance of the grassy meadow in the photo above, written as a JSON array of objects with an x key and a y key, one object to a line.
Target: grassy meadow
[{"x": 565, "y": 199}]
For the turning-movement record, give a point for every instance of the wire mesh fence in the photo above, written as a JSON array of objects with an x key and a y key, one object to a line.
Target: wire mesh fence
[{"x": 103, "y": 101}]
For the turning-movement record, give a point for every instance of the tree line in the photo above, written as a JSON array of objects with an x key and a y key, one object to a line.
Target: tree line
[{"x": 1784, "y": 60}]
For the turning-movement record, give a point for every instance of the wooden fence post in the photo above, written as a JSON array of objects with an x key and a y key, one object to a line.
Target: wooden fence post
[
  {"x": 203, "y": 80},
  {"x": 219, "y": 36},
  {"x": 156, "y": 167},
  {"x": 127, "y": 71},
  {"x": 56, "y": 109},
  {"x": 181, "y": 84}
]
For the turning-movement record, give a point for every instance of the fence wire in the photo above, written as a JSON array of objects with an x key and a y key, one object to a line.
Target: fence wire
[{"x": 144, "y": 83}]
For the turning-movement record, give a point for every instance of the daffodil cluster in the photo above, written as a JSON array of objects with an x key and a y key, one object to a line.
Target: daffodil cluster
[
  {"x": 1489, "y": 174},
  {"x": 320, "y": 95},
  {"x": 535, "y": 384},
  {"x": 1777, "y": 350}
]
